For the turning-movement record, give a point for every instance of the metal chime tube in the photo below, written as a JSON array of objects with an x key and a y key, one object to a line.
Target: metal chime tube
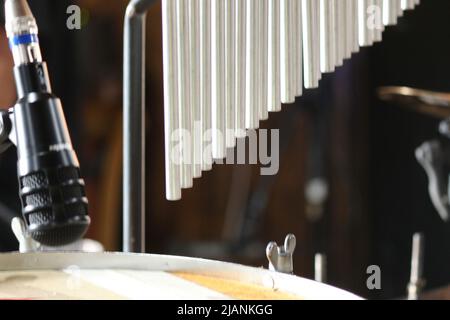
[
  {"x": 230, "y": 56},
  {"x": 274, "y": 99},
  {"x": 241, "y": 67},
  {"x": 327, "y": 35},
  {"x": 399, "y": 8},
  {"x": 377, "y": 12},
  {"x": 184, "y": 103},
  {"x": 251, "y": 94},
  {"x": 408, "y": 4},
  {"x": 205, "y": 83},
  {"x": 287, "y": 91},
  {"x": 298, "y": 40},
  {"x": 350, "y": 17},
  {"x": 292, "y": 45},
  {"x": 389, "y": 12},
  {"x": 171, "y": 123},
  {"x": 355, "y": 26},
  {"x": 340, "y": 32},
  {"x": 263, "y": 56},
  {"x": 194, "y": 74},
  {"x": 218, "y": 62},
  {"x": 365, "y": 31},
  {"x": 311, "y": 43}
]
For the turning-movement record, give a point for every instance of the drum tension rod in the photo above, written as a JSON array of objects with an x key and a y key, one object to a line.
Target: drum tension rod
[
  {"x": 416, "y": 282},
  {"x": 320, "y": 267}
]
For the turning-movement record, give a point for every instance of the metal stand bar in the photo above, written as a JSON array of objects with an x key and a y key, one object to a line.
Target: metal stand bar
[{"x": 134, "y": 126}]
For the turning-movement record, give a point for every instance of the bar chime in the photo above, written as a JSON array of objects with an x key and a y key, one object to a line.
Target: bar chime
[{"x": 229, "y": 63}]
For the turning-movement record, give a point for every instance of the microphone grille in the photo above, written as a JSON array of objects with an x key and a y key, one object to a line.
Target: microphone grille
[
  {"x": 59, "y": 236},
  {"x": 55, "y": 205},
  {"x": 34, "y": 180}
]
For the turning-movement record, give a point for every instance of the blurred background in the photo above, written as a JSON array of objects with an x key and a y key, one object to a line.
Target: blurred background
[{"x": 341, "y": 138}]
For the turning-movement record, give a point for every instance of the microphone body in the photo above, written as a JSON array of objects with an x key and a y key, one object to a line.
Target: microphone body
[{"x": 54, "y": 203}]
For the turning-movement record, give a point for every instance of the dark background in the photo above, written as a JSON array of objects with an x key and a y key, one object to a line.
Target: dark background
[{"x": 362, "y": 147}]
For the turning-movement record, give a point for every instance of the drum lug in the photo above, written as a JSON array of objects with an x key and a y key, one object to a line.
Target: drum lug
[{"x": 281, "y": 257}]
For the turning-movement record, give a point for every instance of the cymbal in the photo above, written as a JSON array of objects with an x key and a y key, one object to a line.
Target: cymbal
[{"x": 435, "y": 104}]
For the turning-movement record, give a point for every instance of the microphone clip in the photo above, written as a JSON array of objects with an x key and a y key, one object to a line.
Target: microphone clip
[{"x": 6, "y": 129}]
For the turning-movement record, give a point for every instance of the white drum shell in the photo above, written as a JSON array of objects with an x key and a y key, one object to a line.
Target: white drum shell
[{"x": 54, "y": 261}]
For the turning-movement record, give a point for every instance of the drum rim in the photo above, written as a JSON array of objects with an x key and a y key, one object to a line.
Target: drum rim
[{"x": 306, "y": 288}]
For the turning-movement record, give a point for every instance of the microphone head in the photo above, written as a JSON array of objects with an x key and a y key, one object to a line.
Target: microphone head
[{"x": 55, "y": 206}]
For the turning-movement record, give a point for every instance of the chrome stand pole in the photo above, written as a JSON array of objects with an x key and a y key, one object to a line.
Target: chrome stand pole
[{"x": 134, "y": 126}]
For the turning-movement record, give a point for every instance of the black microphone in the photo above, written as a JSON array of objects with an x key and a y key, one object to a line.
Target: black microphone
[{"x": 54, "y": 203}]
